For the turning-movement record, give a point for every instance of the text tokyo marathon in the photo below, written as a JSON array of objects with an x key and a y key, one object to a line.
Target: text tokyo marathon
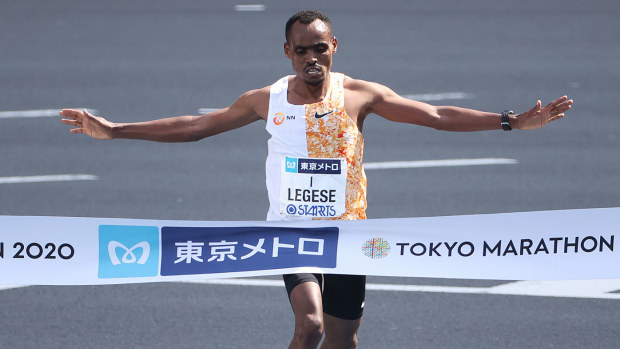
[{"x": 500, "y": 248}]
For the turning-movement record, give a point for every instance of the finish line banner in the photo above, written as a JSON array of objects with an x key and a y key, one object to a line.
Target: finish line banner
[{"x": 544, "y": 245}]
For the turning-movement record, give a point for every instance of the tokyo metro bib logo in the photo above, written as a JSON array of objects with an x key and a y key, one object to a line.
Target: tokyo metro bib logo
[{"x": 128, "y": 251}]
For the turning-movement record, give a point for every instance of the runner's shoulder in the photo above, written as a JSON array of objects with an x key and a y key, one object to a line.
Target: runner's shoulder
[
  {"x": 256, "y": 100},
  {"x": 362, "y": 86},
  {"x": 366, "y": 90},
  {"x": 256, "y": 95}
]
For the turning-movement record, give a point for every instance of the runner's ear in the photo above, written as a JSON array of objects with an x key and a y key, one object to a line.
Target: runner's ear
[{"x": 287, "y": 50}]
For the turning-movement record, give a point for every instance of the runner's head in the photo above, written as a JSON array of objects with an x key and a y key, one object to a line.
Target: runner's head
[
  {"x": 306, "y": 17},
  {"x": 310, "y": 45}
]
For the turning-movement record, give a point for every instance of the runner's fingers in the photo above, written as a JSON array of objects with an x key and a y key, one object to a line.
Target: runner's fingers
[
  {"x": 566, "y": 105},
  {"x": 555, "y": 117},
  {"x": 555, "y": 103},
  {"x": 561, "y": 104},
  {"x": 559, "y": 100},
  {"x": 561, "y": 108},
  {"x": 71, "y": 122},
  {"x": 71, "y": 113}
]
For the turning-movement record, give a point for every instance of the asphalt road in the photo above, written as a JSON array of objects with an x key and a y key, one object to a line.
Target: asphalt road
[{"x": 140, "y": 60}]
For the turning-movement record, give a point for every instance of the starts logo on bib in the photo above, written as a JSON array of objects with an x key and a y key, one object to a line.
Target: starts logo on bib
[{"x": 128, "y": 251}]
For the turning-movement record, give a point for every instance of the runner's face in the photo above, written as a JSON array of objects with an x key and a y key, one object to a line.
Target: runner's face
[{"x": 310, "y": 48}]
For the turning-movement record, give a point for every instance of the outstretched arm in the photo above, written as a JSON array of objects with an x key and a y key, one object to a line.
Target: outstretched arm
[
  {"x": 248, "y": 108},
  {"x": 388, "y": 104}
]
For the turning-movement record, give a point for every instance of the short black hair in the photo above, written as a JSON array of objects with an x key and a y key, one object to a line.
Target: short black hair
[{"x": 306, "y": 17}]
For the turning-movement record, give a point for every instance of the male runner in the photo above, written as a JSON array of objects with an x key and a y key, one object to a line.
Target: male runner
[{"x": 329, "y": 110}]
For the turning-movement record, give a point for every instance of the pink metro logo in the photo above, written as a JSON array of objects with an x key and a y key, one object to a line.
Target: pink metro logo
[{"x": 376, "y": 248}]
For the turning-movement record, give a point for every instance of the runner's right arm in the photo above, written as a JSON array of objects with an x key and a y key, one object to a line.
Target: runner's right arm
[{"x": 245, "y": 110}]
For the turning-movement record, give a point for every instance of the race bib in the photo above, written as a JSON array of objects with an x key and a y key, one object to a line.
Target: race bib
[{"x": 313, "y": 187}]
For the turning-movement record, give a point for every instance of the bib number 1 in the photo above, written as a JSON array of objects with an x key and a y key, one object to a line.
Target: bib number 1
[{"x": 313, "y": 187}]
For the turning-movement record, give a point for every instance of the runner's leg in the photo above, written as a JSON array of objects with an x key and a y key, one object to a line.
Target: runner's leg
[
  {"x": 340, "y": 333},
  {"x": 306, "y": 302},
  {"x": 343, "y": 307}
]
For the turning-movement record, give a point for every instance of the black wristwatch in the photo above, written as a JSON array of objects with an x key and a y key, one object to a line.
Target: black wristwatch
[{"x": 506, "y": 120}]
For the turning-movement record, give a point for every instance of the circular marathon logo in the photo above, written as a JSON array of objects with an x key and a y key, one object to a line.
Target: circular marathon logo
[{"x": 376, "y": 248}]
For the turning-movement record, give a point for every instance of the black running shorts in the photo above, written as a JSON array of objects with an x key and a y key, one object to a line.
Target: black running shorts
[{"x": 343, "y": 295}]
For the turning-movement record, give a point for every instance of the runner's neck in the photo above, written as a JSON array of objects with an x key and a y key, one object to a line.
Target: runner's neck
[{"x": 300, "y": 92}]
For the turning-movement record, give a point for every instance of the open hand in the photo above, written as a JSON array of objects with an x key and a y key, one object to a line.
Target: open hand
[
  {"x": 538, "y": 117},
  {"x": 85, "y": 122}
]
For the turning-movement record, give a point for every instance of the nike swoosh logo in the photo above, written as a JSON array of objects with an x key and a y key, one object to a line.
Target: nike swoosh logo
[{"x": 318, "y": 116}]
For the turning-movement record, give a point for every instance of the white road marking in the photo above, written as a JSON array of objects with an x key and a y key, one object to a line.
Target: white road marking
[
  {"x": 8, "y": 287},
  {"x": 570, "y": 288},
  {"x": 48, "y": 178},
  {"x": 240, "y": 282},
  {"x": 207, "y": 110},
  {"x": 250, "y": 8},
  {"x": 428, "y": 97},
  {"x": 42, "y": 113},
  {"x": 590, "y": 289},
  {"x": 438, "y": 163},
  {"x": 594, "y": 289}
]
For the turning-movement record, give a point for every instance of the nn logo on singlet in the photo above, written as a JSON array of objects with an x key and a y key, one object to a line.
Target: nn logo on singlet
[{"x": 279, "y": 118}]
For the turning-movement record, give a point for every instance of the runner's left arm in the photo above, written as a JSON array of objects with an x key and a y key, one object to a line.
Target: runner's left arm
[{"x": 390, "y": 105}]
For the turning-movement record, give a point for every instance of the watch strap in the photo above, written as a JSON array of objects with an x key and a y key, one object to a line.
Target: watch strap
[{"x": 505, "y": 121}]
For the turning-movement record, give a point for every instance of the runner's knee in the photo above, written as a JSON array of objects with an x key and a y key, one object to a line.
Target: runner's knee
[
  {"x": 345, "y": 341},
  {"x": 309, "y": 328}
]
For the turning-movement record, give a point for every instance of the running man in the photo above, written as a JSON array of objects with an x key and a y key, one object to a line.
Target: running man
[{"x": 316, "y": 114}]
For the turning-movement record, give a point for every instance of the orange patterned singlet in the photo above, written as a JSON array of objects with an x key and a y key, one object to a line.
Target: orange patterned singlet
[{"x": 314, "y": 165}]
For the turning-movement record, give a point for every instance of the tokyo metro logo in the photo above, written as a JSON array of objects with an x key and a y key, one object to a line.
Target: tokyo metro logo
[
  {"x": 376, "y": 248},
  {"x": 129, "y": 256},
  {"x": 128, "y": 251}
]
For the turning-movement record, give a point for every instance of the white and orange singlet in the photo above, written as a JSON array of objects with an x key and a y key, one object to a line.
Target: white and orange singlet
[{"x": 314, "y": 165}]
